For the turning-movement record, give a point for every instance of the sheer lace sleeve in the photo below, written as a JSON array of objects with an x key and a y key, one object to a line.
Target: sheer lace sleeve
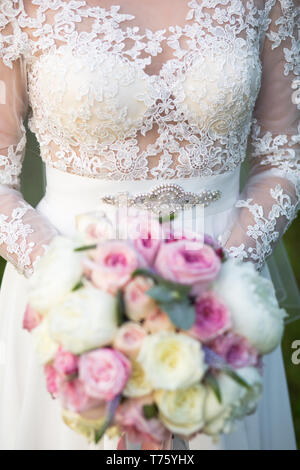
[
  {"x": 24, "y": 233},
  {"x": 270, "y": 199}
]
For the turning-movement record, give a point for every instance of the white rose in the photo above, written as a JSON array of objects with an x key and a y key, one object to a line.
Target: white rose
[
  {"x": 251, "y": 300},
  {"x": 138, "y": 385},
  {"x": 172, "y": 360},
  {"x": 182, "y": 411},
  {"x": 237, "y": 401},
  {"x": 56, "y": 273},
  {"x": 95, "y": 227},
  {"x": 84, "y": 319},
  {"x": 45, "y": 346}
]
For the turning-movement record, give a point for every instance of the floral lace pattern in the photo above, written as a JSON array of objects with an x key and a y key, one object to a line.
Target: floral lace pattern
[
  {"x": 264, "y": 232},
  {"x": 111, "y": 99}
]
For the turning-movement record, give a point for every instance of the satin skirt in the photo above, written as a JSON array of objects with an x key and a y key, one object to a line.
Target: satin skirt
[{"x": 31, "y": 420}]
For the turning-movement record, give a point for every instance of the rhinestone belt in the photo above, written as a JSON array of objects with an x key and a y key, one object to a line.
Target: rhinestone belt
[{"x": 163, "y": 199}]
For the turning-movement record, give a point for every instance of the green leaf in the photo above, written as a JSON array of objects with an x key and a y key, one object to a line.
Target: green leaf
[
  {"x": 99, "y": 433},
  {"x": 174, "y": 286},
  {"x": 77, "y": 286},
  {"x": 182, "y": 314},
  {"x": 150, "y": 411},
  {"x": 85, "y": 247},
  {"x": 121, "y": 311},
  {"x": 163, "y": 294},
  {"x": 214, "y": 384},
  {"x": 236, "y": 377}
]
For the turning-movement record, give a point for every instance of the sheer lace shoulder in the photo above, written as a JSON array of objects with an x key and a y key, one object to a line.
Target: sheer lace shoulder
[
  {"x": 24, "y": 233},
  {"x": 13, "y": 41},
  {"x": 270, "y": 200}
]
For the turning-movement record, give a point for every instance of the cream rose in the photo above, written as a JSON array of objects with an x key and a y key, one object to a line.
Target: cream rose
[
  {"x": 182, "y": 411},
  {"x": 87, "y": 423},
  {"x": 237, "y": 401},
  {"x": 172, "y": 360},
  {"x": 129, "y": 338},
  {"x": 84, "y": 320},
  {"x": 56, "y": 273},
  {"x": 253, "y": 306},
  {"x": 138, "y": 304},
  {"x": 138, "y": 385}
]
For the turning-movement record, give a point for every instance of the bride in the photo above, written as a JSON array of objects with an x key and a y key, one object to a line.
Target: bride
[{"x": 125, "y": 97}]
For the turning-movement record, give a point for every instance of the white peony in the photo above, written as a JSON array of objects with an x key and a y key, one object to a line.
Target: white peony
[
  {"x": 172, "y": 360},
  {"x": 237, "y": 401},
  {"x": 56, "y": 273},
  {"x": 182, "y": 411},
  {"x": 84, "y": 320},
  {"x": 252, "y": 302},
  {"x": 45, "y": 346}
]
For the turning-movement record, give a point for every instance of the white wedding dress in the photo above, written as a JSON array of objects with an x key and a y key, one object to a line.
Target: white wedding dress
[{"x": 118, "y": 104}]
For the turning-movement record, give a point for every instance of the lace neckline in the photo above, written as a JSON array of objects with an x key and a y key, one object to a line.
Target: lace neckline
[{"x": 153, "y": 37}]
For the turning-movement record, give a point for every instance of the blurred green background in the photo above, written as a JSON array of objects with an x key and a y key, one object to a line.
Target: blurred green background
[{"x": 33, "y": 188}]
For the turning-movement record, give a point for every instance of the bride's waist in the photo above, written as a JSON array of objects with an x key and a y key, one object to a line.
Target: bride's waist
[{"x": 69, "y": 194}]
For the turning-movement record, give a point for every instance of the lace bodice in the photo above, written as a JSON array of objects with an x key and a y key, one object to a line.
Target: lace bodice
[{"x": 116, "y": 93}]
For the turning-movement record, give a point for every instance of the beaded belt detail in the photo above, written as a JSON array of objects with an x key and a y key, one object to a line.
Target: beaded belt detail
[{"x": 163, "y": 199}]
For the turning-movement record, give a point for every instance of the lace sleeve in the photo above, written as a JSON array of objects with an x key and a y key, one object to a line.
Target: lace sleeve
[
  {"x": 24, "y": 233},
  {"x": 270, "y": 199}
]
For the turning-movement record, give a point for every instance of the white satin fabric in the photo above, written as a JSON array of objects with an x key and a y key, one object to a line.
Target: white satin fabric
[{"x": 30, "y": 419}]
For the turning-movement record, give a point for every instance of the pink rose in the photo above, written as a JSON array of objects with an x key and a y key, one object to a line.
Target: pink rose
[
  {"x": 171, "y": 236},
  {"x": 158, "y": 321},
  {"x": 187, "y": 262},
  {"x": 52, "y": 380},
  {"x": 65, "y": 362},
  {"x": 104, "y": 372},
  {"x": 148, "y": 237},
  {"x": 208, "y": 240},
  {"x": 73, "y": 397},
  {"x": 212, "y": 317},
  {"x": 138, "y": 304},
  {"x": 129, "y": 338},
  {"x": 130, "y": 418},
  {"x": 235, "y": 350},
  {"x": 112, "y": 265},
  {"x": 31, "y": 319}
]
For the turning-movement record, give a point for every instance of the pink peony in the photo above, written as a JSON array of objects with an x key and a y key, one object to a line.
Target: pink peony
[
  {"x": 129, "y": 338},
  {"x": 187, "y": 262},
  {"x": 31, "y": 319},
  {"x": 235, "y": 349},
  {"x": 52, "y": 379},
  {"x": 73, "y": 397},
  {"x": 212, "y": 317},
  {"x": 130, "y": 418},
  {"x": 65, "y": 363},
  {"x": 112, "y": 265},
  {"x": 104, "y": 372},
  {"x": 158, "y": 321},
  {"x": 138, "y": 304}
]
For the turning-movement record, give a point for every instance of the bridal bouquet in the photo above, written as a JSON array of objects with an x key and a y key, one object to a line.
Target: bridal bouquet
[{"x": 150, "y": 334}]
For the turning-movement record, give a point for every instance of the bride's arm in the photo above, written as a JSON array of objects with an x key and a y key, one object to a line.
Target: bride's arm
[
  {"x": 270, "y": 199},
  {"x": 24, "y": 233}
]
